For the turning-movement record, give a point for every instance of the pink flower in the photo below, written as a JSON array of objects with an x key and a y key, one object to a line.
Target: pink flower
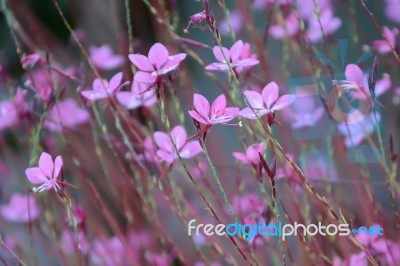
[
  {"x": 66, "y": 114},
  {"x": 289, "y": 29},
  {"x": 306, "y": 8},
  {"x": 40, "y": 82},
  {"x": 217, "y": 114},
  {"x": 12, "y": 110},
  {"x": 108, "y": 252},
  {"x": 68, "y": 242},
  {"x": 392, "y": 10},
  {"x": 103, "y": 57},
  {"x": 31, "y": 60},
  {"x": 46, "y": 174},
  {"x": 102, "y": 89},
  {"x": 267, "y": 102},
  {"x": 358, "y": 259},
  {"x": 237, "y": 57},
  {"x": 149, "y": 150},
  {"x": 158, "y": 62},
  {"x": 20, "y": 209},
  {"x": 236, "y": 23},
  {"x": 330, "y": 24},
  {"x": 138, "y": 96},
  {"x": 382, "y": 46},
  {"x": 166, "y": 148},
  {"x": 358, "y": 82},
  {"x": 244, "y": 205},
  {"x": 251, "y": 155},
  {"x": 196, "y": 19}
]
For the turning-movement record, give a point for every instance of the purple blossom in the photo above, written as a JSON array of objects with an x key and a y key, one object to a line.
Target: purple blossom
[
  {"x": 11, "y": 110},
  {"x": 392, "y": 10},
  {"x": 103, "y": 57},
  {"x": 138, "y": 96},
  {"x": 166, "y": 148},
  {"x": 218, "y": 113},
  {"x": 20, "y": 209},
  {"x": 66, "y": 114},
  {"x": 158, "y": 62},
  {"x": 267, "y": 102},
  {"x": 251, "y": 155},
  {"x": 236, "y": 23},
  {"x": 47, "y": 174},
  {"x": 102, "y": 89},
  {"x": 290, "y": 28},
  {"x": 238, "y": 58},
  {"x": 385, "y": 46},
  {"x": 329, "y": 23}
]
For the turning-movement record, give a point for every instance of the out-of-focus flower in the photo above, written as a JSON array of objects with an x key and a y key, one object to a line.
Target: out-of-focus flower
[
  {"x": 158, "y": 259},
  {"x": 306, "y": 8},
  {"x": 266, "y": 103},
  {"x": 68, "y": 242},
  {"x": 392, "y": 10},
  {"x": 290, "y": 28},
  {"x": 166, "y": 148},
  {"x": 385, "y": 46},
  {"x": 31, "y": 60},
  {"x": 200, "y": 169},
  {"x": 40, "y": 82},
  {"x": 66, "y": 114},
  {"x": 244, "y": 205},
  {"x": 158, "y": 62},
  {"x": 238, "y": 57},
  {"x": 236, "y": 23},
  {"x": 108, "y": 252},
  {"x": 355, "y": 133},
  {"x": 358, "y": 259},
  {"x": 79, "y": 215},
  {"x": 149, "y": 150},
  {"x": 217, "y": 114},
  {"x": 138, "y": 96},
  {"x": 20, "y": 209},
  {"x": 251, "y": 155},
  {"x": 103, "y": 57},
  {"x": 102, "y": 89},
  {"x": 10, "y": 110},
  {"x": 46, "y": 174},
  {"x": 357, "y": 82},
  {"x": 329, "y": 23}
]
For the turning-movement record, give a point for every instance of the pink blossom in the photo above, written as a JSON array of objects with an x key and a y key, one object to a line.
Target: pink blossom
[
  {"x": 31, "y": 60},
  {"x": 251, "y": 155},
  {"x": 196, "y": 19},
  {"x": 102, "y": 89},
  {"x": 329, "y": 23},
  {"x": 238, "y": 58},
  {"x": 267, "y": 102},
  {"x": 46, "y": 174},
  {"x": 244, "y": 205},
  {"x": 358, "y": 259},
  {"x": 108, "y": 252},
  {"x": 138, "y": 96},
  {"x": 358, "y": 83},
  {"x": 149, "y": 150},
  {"x": 290, "y": 28},
  {"x": 10, "y": 110},
  {"x": 68, "y": 242},
  {"x": 158, "y": 62},
  {"x": 40, "y": 82},
  {"x": 79, "y": 215},
  {"x": 66, "y": 114},
  {"x": 392, "y": 10},
  {"x": 218, "y": 113},
  {"x": 20, "y": 209},
  {"x": 385, "y": 46},
  {"x": 166, "y": 148},
  {"x": 103, "y": 57},
  {"x": 236, "y": 23},
  {"x": 307, "y": 8}
]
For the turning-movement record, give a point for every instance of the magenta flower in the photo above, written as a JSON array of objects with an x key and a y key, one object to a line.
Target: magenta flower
[
  {"x": 382, "y": 46},
  {"x": 66, "y": 114},
  {"x": 158, "y": 62},
  {"x": 20, "y": 209},
  {"x": 330, "y": 25},
  {"x": 11, "y": 110},
  {"x": 289, "y": 29},
  {"x": 47, "y": 174},
  {"x": 31, "y": 60},
  {"x": 245, "y": 205},
  {"x": 306, "y": 8},
  {"x": 218, "y": 113},
  {"x": 236, "y": 58},
  {"x": 103, "y": 57},
  {"x": 40, "y": 82},
  {"x": 196, "y": 19},
  {"x": 149, "y": 150},
  {"x": 102, "y": 89},
  {"x": 392, "y": 10},
  {"x": 358, "y": 83},
  {"x": 236, "y": 23},
  {"x": 267, "y": 102},
  {"x": 251, "y": 155},
  {"x": 138, "y": 96},
  {"x": 166, "y": 148}
]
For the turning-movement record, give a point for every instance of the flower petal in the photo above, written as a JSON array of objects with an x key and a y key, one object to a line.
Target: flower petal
[
  {"x": 283, "y": 101},
  {"x": 35, "y": 175},
  {"x": 195, "y": 115},
  {"x": 93, "y": 95},
  {"x": 236, "y": 50},
  {"x": 46, "y": 164},
  {"x": 173, "y": 61},
  {"x": 241, "y": 157},
  {"x": 354, "y": 73},
  {"x": 115, "y": 82},
  {"x": 218, "y": 54},
  {"x": 144, "y": 77},
  {"x": 58, "y": 164},
  {"x": 163, "y": 141},
  {"x": 178, "y": 134},
  {"x": 254, "y": 98},
  {"x": 218, "y": 106},
  {"x": 191, "y": 149},
  {"x": 141, "y": 62},
  {"x": 217, "y": 67},
  {"x": 158, "y": 55},
  {"x": 166, "y": 156},
  {"x": 201, "y": 105},
  {"x": 248, "y": 113},
  {"x": 270, "y": 93}
]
